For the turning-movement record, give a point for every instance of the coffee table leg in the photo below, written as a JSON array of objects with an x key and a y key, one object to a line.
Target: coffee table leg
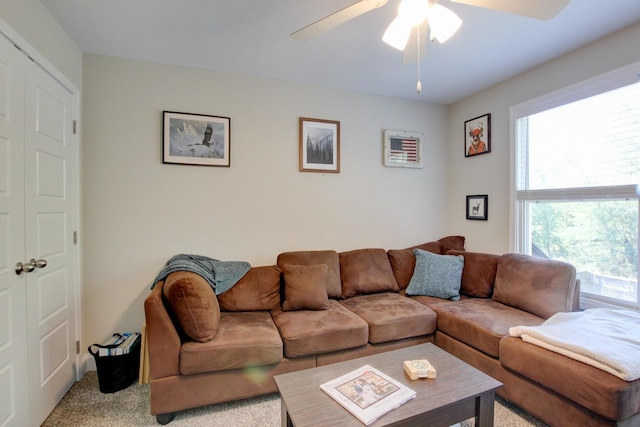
[
  {"x": 286, "y": 421},
  {"x": 484, "y": 410}
]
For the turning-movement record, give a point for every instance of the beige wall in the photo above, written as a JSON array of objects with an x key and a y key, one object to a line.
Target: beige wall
[
  {"x": 36, "y": 25},
  {"x": 490, "y": 173},
  {"x": 138, "y": 212}
]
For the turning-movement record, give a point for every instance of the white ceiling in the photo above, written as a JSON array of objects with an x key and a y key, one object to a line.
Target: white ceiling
[{"x": 252, "y": 37}]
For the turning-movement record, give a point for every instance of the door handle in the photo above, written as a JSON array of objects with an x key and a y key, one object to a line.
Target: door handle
[
  {"x": 30, "y": 266},
  {"x": 41, "y": 263}
]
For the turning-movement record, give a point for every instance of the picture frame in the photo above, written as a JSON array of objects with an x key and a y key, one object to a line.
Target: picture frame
[
  {"x": 478, "y": 207},
  {"x": 477, "y": 135},
  {"x": 196, "y": 139},
  {"x": 319, "y": 145},
  {"x": 403, "y": 149}
]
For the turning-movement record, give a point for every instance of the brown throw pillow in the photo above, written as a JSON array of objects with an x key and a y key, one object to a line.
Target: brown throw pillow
[
  {"x": 194, "y": 304},
  {"x": 452, "y": 243},
  {"x": 329, "y": 257},
  {"x": 305, "y": 287}
]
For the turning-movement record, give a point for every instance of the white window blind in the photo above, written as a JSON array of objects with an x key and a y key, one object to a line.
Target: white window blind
[{"x": 592, "y": 142}]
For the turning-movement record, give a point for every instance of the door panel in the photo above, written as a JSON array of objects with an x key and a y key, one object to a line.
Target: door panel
[
  {"x": 49, "y": 236},
  {"x": 54, "y": 113},
  {"x": 51, "y": 175},
  {"x": 13, "y": 331}
]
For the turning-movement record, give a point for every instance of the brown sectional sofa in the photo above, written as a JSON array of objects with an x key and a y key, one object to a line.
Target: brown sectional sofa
[{"x": 318, "y": 307}]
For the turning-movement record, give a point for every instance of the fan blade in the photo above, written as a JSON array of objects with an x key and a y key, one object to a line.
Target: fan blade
[
  {"x": 337, "y": 18},
  {"x": 410, "y": 52},
  {"x": 538, "y": 9}
]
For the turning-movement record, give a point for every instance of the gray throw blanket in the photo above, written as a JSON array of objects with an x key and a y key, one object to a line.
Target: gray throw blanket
[{"x": 221, "y": 275}]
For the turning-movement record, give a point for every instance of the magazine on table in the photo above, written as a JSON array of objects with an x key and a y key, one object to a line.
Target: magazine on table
[{"x": 368, "y": 393}]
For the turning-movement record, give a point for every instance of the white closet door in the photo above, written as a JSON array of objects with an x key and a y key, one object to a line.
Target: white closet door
[
  {"x": 13, "y": 327},
  {"x": 37, "y": 308},
  {"x": 49, "y": 207}
]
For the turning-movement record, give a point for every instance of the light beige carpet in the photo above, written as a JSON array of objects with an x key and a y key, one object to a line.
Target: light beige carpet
[{"x": 85, "y": 405}]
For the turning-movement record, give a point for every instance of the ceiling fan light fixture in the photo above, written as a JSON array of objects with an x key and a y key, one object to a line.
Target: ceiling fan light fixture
[
  {"x": 397, "y": 34},
  {"x": 443, "y": 22},
  {"x": 414, "y": 12}
]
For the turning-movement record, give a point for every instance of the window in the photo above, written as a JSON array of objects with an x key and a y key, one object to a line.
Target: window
[{"x": 576, "y": 169}]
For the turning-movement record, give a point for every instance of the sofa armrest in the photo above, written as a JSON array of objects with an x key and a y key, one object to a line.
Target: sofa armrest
[{"x": 163, "y": 341}]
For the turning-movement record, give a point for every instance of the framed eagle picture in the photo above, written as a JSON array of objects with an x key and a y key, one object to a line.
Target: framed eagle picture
[{"x": 196, "y": 139}]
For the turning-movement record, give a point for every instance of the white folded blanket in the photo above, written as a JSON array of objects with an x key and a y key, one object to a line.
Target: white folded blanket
[{"x": 603, "y": 338}]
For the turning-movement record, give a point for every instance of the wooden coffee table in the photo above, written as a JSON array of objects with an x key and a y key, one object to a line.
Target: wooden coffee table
[{"x": 459, "y": 392}]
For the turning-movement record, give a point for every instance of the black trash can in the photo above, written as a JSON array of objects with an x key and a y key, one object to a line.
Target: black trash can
[{"x": 117, "y": 371}]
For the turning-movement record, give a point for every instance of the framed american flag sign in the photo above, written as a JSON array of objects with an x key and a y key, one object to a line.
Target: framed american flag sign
[{"x": 402, "y": 149}]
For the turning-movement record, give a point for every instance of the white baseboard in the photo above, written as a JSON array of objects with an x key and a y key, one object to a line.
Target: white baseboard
[{"x": 88, "y": 363}]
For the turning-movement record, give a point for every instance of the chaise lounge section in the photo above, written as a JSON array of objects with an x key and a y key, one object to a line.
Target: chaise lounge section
[{"x": 318, "y": 307}]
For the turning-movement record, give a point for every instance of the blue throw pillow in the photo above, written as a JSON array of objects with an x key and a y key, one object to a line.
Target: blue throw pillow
[{"x": 436, "y": 275}]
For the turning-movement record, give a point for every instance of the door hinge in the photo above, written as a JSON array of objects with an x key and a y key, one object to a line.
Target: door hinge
[
  {"x": 75, "y": 237},
  {"x": 75, "y": 127},
  {"x": 77, "y": 347}
]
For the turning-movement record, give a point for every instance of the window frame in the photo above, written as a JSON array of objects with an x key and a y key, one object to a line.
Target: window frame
[{"x": 519, "y": 235}]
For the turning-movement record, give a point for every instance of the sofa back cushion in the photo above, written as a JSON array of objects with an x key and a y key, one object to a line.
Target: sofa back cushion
[
  {"x": 193, "y": 303},
  {"x": 259, "y": 289},
  {"x": 403, "y": 261},
  {"x": 366, "y": 271},
  {"x": 330, "y": 258},
  {"x": 478, "y": 274},
  {"x": 540, "y": 286}
]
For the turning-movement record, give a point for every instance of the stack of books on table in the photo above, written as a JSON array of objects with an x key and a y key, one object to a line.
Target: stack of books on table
[{"x": 119, "y": 344}]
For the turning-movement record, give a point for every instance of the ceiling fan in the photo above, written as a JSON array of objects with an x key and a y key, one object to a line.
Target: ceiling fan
[{"x": 443, "y": 22}]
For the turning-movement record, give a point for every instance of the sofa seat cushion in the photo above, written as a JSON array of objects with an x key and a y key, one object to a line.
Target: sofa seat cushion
[
  {"x": 307, "y": 333},
  {"x": 392, "y": 316},
  {"x": 244, "y": 339},
  {"x": 481, "y": 323},
  {"x": 593, "y": 388}
]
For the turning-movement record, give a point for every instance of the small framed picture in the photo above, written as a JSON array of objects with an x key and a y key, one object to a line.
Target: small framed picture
[
  {"x": 477, "y": 207},
  {"x": 196, "y": 139},
  {"x": 319, "y": 145},
  {"x": 402, "y": 149},
  {"x": 477, "y": 136}
]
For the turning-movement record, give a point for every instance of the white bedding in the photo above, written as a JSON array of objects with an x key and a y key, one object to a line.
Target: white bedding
[{"x": 603, "y": 338}]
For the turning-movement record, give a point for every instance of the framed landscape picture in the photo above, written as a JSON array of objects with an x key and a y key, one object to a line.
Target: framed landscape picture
[
  {"x": 196, "y": 139},
  {"x": 319, "y": 145},
  {"x": 477, "y": 136}
]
